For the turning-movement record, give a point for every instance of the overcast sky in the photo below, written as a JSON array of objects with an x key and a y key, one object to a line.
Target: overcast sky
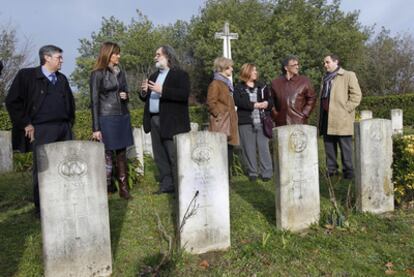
[{"x": 63, "y": 22}]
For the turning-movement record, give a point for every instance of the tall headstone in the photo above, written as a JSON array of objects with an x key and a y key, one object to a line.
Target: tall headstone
[
  {"x": 366, "y": 114},
  {"x": 74, "y": 209},
  {"x": 194, "y": 126},
  {"x": 397, "y": 121},
  {"x": 373, "y": 160},
  {"x": 147, "y": 143},
  {"x": 203, "y": 191},
  {"x": 296, "y": 176},
  {"x": 6, "y": 152},
  {"x": 137, "y": 150}
]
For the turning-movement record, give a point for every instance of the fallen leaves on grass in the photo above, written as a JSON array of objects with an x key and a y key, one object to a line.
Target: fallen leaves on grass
[
  {"x": 204, "y": 264},
  {"x": 389, "y": 270},
  {"x": 410, "y": 271}
]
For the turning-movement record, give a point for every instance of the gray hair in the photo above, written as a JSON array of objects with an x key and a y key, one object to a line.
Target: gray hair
[
  {"x": 48, "y": 50},
  {"x": 171, "y": 55},
  {"x": 285, "y": 62}
]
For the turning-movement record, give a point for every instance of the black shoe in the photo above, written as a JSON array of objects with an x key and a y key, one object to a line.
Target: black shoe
[
  {"x": 252, "y": 178},
  {"x": 160, "y": 191},
  {"x": 266, "y": 179},
  {"x": 349, "y": 176},
  {"x": 331, "y": 174}
]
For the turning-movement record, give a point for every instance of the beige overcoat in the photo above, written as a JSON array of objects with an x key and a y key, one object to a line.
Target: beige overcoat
[
  {"x": 219, "y": 100},
  {"x": 344, "y": 98}
]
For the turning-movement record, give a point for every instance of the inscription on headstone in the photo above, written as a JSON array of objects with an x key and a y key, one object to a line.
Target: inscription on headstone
[
  {"x": 74, "y": 209},
  {"x": 203, "y": 191},
  {"x": 373, "y": 153},
  {"x": 296, "y": 176},
  {"x": 6, "y": 152}
]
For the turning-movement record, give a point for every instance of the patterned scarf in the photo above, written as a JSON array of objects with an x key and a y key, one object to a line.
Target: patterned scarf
[
  {"x": 327, "y": 82},
  {"x": 227, "y": 81},
  {"x": 255, "y": 115}
]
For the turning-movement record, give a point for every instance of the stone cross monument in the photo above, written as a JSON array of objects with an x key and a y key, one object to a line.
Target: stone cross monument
[{"x": 226, "y": 36}]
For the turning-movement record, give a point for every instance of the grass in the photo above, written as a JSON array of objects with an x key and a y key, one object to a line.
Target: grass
[{"x": 367, "y": 245}]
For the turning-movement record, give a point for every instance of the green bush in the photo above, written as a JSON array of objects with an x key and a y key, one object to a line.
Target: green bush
[
  {"x": 381, "y": 106},
  {"x": 403, "y": 168}
]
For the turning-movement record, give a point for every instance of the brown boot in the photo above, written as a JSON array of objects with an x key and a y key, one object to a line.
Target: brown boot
[
  {"x": 122, "y": 174},
  {"x": 108, "y": 168}
]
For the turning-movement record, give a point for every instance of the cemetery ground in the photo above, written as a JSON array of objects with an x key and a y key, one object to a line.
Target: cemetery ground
[{"x": 344, "y": 243}]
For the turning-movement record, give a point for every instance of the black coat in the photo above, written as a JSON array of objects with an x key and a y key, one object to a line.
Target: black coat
[
  {"x": 105, "y": 87},
  {"x": 174, "y": 116},
  {"x": 26, "y": 96},
  {"x": 244, "y": 106}
]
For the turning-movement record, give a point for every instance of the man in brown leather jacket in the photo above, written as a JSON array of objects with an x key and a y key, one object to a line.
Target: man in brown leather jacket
[{"x": 293, "y": 95}]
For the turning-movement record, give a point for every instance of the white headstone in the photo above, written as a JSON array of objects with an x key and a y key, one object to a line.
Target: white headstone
[
  {"x": 373, "y": 160},
  {"x": 136, "y": 151},
  {"x": 6, "y": 152},
  {"x": 366, "y": 114},
  {"x": 397, "y": 121},
  {"x": 74, "y": 209},
  {"x": 147, "y": 143},
  {"x": 194, "y": 126},
  {"x": 296, "y": 176},
  {"x": 203, "y": 191}
]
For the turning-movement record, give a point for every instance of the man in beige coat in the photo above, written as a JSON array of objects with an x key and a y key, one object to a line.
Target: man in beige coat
[{"x": 340, "y": 95}]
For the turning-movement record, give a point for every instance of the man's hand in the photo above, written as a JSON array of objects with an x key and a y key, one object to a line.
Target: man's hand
[
  {"x": 144, "y": 85},
  {"x": 29, "y": 132},
  {"x": 97, "y": 135},
  {"x": 155, "y": 87}
]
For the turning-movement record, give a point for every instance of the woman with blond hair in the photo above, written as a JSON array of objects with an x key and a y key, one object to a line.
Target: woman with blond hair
[
  {"x": 110, "y": 115},
  {"x": 252, "y": 98},
  {"x": 221, "y": 104}
]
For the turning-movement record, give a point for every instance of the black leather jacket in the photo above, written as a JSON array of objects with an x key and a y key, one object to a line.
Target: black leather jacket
[{"x": 105, "y": 87}]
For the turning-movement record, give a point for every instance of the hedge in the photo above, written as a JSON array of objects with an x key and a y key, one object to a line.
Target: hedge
[
  {"x": 83, "y": 124},
  {"x": 380, "y": 106}
]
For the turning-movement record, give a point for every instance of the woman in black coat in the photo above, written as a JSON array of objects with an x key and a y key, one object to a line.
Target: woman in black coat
[{"x": 110, "y": 115}]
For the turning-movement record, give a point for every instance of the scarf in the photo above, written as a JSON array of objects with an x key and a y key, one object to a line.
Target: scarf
[
  {"x": 327, "y": 83},
  {"x": 227, "y": 81},
  {"x": 255, "y": 115}
]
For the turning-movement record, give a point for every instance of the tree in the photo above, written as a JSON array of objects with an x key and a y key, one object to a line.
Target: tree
[
  {"x": 13, "y": 58},
  {"x": 270, "y": 30},
  {"x": 389, "y": 64},
  {"x": 137, "y": 40}
]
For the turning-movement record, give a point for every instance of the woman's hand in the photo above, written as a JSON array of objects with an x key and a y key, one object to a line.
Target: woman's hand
[
  {"x": 97, "y": 135},
  {"x": 123, "y": 95}
]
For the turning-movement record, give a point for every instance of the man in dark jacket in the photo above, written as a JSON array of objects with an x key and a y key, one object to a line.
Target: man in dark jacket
[
  {"x": 293, "y": 95},
  {"x": 166, "y": 111},
  {"x": 41, "y": 107}
]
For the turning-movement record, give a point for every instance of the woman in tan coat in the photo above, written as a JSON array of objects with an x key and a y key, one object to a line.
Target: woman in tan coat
[{"x": 220, "y": 102}]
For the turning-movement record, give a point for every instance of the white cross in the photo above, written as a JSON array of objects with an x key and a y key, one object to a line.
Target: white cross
[{"x": 226, "y": 36}]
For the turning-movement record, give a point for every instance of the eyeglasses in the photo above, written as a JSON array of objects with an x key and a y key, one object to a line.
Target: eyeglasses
[
  {"x": 60, "y": 58},
  {"x": 293, "y": 65}
]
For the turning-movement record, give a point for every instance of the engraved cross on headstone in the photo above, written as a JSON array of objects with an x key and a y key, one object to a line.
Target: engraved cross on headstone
[{"x": 226, "y": 36}]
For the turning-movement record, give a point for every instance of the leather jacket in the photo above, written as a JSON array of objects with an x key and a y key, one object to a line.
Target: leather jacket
[
  {"x": 293, "y": 100},
  {"x": 105, "y": 87}
]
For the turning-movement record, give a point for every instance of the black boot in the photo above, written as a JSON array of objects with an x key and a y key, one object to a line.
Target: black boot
[
  {"x": 122, "y": 174},
  {"x": 108, "y": 168}
]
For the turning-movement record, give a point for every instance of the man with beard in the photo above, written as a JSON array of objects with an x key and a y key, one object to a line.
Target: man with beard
[{"x": 166, "y": 114}]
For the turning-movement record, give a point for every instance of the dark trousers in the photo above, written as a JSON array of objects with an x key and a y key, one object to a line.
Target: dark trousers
[
  {"x": 331, "y": 150},
  {"x": 47, "y": 133},
  {"x": 164, "y": 155}
]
